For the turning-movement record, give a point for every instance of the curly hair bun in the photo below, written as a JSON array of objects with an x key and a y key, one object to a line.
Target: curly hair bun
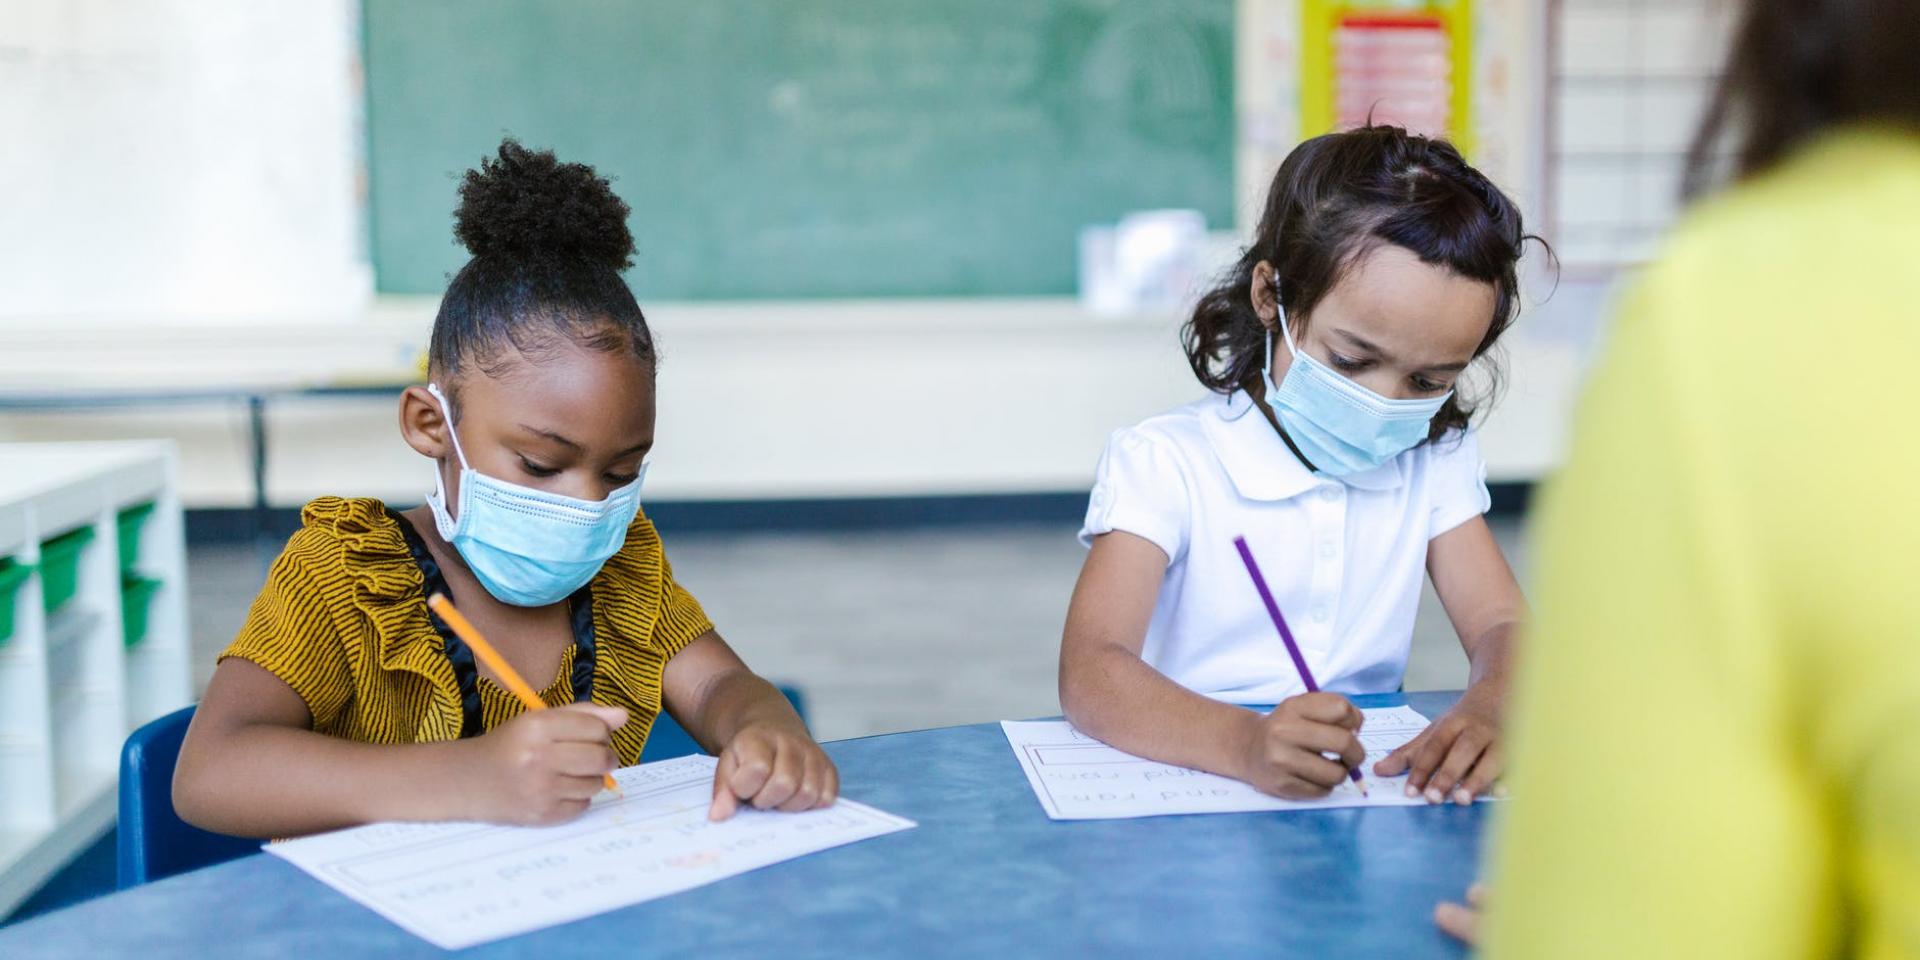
[{"x": 525, "y": 205}]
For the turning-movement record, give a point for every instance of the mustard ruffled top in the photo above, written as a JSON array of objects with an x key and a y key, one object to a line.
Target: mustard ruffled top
[{"x": 343, "y": 620}]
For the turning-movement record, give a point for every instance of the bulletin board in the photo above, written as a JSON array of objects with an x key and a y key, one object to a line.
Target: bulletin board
[
  {"x": 1409, "y": 64},
  {"x": 1628, "y": 83}
]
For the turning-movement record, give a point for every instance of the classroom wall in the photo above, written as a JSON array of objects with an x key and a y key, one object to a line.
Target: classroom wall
[
  {"x": 840, "y": 399},
  {"x": 837, "y": 399},
  {"x": 778, "y": 399},
  {"x": 179, "y": 162}
]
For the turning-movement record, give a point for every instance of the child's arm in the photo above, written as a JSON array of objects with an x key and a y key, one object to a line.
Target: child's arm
[
  {"x": 1112, "y": 694},
  {"x": 767, "y": 757},
  {"x": 252, "y": 767},
  {"x": 1460, "y": 755}
]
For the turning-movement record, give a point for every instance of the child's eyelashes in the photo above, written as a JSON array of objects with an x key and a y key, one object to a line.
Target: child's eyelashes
[
  {"x": 543, "y": 471},
  {"x": 1352, "y": 365}
]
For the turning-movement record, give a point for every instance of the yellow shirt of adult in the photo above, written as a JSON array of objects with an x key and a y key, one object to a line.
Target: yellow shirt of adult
[{"x": 1717, "y": 732}]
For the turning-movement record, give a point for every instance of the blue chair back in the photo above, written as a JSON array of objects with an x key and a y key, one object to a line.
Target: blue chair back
[
  {"x": 153, "y": 841},
  {"x": 669, "y": 739}
]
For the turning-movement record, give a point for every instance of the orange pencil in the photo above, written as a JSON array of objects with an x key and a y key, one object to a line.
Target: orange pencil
[{"x": 494, "y": 661}]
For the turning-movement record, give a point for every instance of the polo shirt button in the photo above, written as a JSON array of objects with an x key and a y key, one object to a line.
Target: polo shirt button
[
  {"x": 1326, "y": 550},
  {"x": 1330, "y": 492},
  {"x": 1319, "y": 614}
]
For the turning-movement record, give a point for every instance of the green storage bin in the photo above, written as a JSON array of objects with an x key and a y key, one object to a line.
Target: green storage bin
[
  {"x": 136, "y": 596},
  {"x": 60, "y": 566},
  {"x": 132, "y": 521},
  {"x": 13, "y": 573}
]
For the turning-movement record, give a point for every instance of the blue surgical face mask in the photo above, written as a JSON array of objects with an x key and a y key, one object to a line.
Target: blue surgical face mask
[
  {"x": 1341, "y": 427},
  {"x": 528, "y": 547}
]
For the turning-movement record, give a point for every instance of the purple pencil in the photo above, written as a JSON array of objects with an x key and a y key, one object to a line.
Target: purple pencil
[{"x": 1280, "y": 622}]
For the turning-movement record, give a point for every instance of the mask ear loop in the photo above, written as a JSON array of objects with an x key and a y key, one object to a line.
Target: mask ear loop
[
  {"x": 443, "y": 517},
  {"x": 446, "y": 413},
  {"x": 1280, "y": 314}
]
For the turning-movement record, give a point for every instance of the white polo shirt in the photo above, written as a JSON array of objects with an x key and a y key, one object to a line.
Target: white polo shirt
[{"x": 1345, "y": 560}]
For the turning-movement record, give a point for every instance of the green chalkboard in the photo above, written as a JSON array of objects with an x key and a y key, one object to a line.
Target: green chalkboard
[{"x": 809, "y": 148}]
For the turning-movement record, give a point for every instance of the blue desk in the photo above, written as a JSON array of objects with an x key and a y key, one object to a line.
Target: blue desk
[{"x": 986, "y": 874}]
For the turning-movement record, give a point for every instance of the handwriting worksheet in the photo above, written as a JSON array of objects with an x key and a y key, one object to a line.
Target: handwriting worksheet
[
  {"x": 1079, "y": 778},
  {"x": 458, "y": 884}
]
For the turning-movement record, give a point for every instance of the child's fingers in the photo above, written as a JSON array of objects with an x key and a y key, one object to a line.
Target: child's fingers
[
  {"x": 1310, "y": 766},
  {"x": 1397, "y": 762},
  {"x": 1290, "y": 787},
  {"x": 580, "y": 788},
  {"x": 743, "y": 769},
  {"x": 830, "y": 792},
  {"x": 613, "y": 717},
  {"x": 1328, "y": 708},
  {"x": 1461, "y": 923},
  {"x": 725, "y": 801},
  {"x": 1485, "y": 771},
  {"x": 788, "y": 770},
  {"x": 724, "y": 805},
  {"x": 1439, "y": 739},
  {"x": 577, "y": 759},
  {"x": 753, "y": 766},
  {"x": 1477, "y": 896},
  {"x": 772, "y": 777},
  {"x": 1466, "y": 749},
  {"x": 1326, "y": 738},
  {"x": 581, "y": 721},
  {"x": 562, "y": 810},
  {"x": 807, "y": 795}
]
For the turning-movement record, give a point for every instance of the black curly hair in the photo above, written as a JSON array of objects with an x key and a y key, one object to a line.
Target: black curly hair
[
  {"x": 1336, "y": 197},
  {"x": 549, "y": 240}
]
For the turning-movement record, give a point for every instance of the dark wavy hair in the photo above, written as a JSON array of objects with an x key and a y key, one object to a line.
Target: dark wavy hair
[
  {"x": 549, "y": 240},
  {"x": 1798, "y": 67},
  {"x": 1335, "y": 198}
]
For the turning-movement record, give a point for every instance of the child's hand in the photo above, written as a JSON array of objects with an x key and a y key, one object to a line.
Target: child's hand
[
  {"x": 1457, "y": 757},
  {"x": 773, "y": 767},
  {"x": 1286, "y": 752},
  {"x": 1462, "y": 921},
  {"x": 543, "y": 766}
]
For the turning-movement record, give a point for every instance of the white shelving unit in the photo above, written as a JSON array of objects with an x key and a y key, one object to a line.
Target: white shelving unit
[{"x": 72, "y": 683}]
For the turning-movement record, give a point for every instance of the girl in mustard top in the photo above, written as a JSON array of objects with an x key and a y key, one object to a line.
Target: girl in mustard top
[{"x": 344, "y": 701}]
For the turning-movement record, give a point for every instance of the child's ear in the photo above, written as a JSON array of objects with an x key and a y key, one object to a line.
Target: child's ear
[
  {"x": 422, "y": 424},
  {"x": 1266, "y": 303}
]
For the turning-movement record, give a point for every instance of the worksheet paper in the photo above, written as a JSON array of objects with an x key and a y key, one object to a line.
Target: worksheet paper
[
  {"x": 458, "y": 884},
  {"x": 1079, "y": 778}
]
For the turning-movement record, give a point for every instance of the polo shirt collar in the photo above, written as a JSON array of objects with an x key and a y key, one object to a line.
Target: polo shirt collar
[{"x": 1261, "y": 465}]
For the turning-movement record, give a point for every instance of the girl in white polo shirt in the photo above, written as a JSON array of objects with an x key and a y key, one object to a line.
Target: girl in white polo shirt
[{"x": 1336, "y": 442}]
